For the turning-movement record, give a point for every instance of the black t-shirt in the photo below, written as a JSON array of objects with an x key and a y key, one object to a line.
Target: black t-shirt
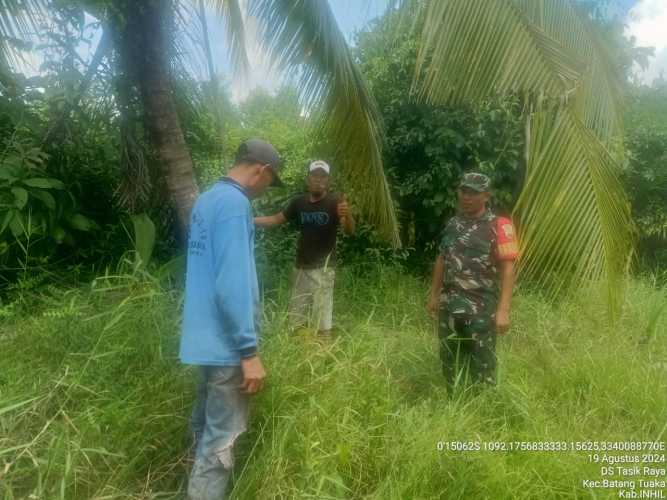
[{"x": 318, "y": 222}]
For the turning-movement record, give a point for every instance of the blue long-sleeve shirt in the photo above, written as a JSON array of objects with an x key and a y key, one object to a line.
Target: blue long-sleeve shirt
[{"x": 221, "y": 291}]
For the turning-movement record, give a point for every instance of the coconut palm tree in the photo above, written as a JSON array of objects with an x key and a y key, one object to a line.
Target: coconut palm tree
[
  {"x": 142, "y": 38},
  {"x": 332, "y": 85},
  {"x": 301, "y": 37},
  {"x": 573, "y": 214}
]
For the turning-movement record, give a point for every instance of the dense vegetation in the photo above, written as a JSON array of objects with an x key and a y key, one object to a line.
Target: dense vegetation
[
  {"x": 93, "y": 401},
  {"x": 73, "y": 169}
]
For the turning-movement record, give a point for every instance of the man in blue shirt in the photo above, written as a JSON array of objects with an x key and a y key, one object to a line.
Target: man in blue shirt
[{"x": 220, "y": 317}]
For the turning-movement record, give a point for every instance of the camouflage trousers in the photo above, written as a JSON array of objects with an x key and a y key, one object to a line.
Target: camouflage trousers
[{"x": 467, "y": 349}]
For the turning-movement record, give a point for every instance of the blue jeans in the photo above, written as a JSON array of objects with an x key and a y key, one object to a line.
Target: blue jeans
[{"x": 219, "y": 417}]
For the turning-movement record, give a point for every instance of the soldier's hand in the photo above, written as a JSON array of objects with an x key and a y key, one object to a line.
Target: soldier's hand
[
  {"x": 502, "y": 321},
  {"x": 432, "y": 306},
  {"x": 253, "y": 375},
  {"x": 343, "y": 208}
]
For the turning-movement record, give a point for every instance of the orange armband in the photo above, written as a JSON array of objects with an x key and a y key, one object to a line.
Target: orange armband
[{"x": 508, "y": 247}]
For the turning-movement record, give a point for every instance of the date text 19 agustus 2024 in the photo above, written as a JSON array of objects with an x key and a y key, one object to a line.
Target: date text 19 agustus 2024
[{"x": 629, "y": 469}]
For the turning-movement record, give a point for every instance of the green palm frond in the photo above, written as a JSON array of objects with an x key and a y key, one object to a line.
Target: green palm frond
[
  {"x": 576, "y": 225},
  {"x": 18, "y": 21},
  {"x": 303, "y": 39},
  {"x": 473, "y": 50},
  {"x": 184, "y": 39},
  {"x": 600, "y": 94},
  {"x": 231, "y": 13},
  {"x": 573, "y": 214}
]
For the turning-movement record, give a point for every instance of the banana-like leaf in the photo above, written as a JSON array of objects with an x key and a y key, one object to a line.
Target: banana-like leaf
[
  {"x": 303, "y": 40},
  {"x": 574, "y": 217},
  {"x": 144, "y": 237}
]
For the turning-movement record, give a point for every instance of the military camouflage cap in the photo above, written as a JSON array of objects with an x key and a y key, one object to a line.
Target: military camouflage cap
[{"x": 475, "y": 180}]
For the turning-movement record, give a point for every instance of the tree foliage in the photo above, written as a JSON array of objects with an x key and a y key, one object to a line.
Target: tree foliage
[
  {"x": 303, "y": 39},
  {"x": 427, "y": 147},
  {"x": 512, "y": 77},
  {"x": 645, "y": 172},
  {"x": 60, "y": 148},
  {"x": 574, "y": 218}
]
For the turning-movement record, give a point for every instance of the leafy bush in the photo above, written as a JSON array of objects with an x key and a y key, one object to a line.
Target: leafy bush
[
  {"x": 429, "y": 147},
  {"x": 37, "y": 213},
  {"x": 645, "y": 173}
]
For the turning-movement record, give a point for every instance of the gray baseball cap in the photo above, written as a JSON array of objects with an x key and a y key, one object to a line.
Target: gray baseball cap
[
  {"x": 260, "y": 151},
  {"x": 476, "y": 181},
  {"x": 319, "y": 165}
]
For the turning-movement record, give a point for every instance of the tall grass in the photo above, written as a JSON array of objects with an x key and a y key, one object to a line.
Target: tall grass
[{"x": 94, "y": 404}]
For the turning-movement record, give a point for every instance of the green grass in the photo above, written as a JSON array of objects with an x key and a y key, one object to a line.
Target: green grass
[{"x": 94, "y": 404}]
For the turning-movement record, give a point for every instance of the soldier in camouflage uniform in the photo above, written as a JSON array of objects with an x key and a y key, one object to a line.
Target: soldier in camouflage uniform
[{"x": 472, "y": 284}]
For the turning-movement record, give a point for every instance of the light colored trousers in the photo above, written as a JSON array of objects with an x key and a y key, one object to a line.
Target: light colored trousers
[
  {"x": 219, "y": 417},
  {"x": 311, "y": 302}
]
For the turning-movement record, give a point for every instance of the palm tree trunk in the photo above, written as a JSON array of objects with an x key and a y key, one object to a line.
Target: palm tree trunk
[{"x": 148, "y": 23}]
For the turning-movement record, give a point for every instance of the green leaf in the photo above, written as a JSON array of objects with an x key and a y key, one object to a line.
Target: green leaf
[
  {"x": 6, "y": 220},
  {"x": 17, "y": 225},
  {"x": 540, "y": 48},
  {"x": 46, "y": 198},
  {"x": 172, "y": 269},
  {"x": 7, "y": 174},
  {"x": 13, "y": 163},
  {"x": 144, "y": 237},
  {"x": 575, "y": 221},
  {"x": 37, "y": 225},
  {"x": 81, "y": 222},
  {"x": 18, "y": 20},
  {"x": 15, "y": 406},
  {"x": 114, "y": 321},
  {"x": 20, "y": 197},
  {"x": 58, "y": 234},
  {"x": 44, "y": 183},
  {"x": 232, "y": 16}
]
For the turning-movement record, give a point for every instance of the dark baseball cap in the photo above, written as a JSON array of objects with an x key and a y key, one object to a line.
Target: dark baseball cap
[{"x": 259, "y": 151}]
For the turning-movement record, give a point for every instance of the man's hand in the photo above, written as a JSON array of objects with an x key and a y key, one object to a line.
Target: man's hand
[
  {"x": 343, "y": 208},
  {"x": 502, "y": 321},
  {"x": 506, "y": 285},
  {"x": 253, "y": 375},
  {"x": 270, "y": 220},
  {"x": 433, "y": 306}
]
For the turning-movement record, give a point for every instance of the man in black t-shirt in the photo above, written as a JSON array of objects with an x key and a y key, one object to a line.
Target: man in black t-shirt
[{"x": 317, "y": 214}]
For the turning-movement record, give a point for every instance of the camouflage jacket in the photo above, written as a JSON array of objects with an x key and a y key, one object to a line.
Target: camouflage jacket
[{"x": 471, "y": 252}]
